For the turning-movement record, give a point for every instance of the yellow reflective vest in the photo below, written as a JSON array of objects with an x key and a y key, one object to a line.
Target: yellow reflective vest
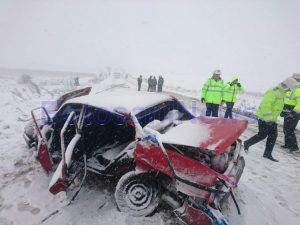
[
  {"x": 296, "y": 98},
  {"x": 272, "y": 105},
  {"x": 231, "y": 91},
  {"x": 212, "y": 91},
  {"x": 289, "y": 99}
]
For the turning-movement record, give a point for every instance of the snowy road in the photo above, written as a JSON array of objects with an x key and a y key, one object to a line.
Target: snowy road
[{"x": 269, "y": 193}]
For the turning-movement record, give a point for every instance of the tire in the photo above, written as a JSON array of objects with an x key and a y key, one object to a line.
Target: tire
[
  {"x": 138, "y": 194},
  {"x": 238, "y": 175}
]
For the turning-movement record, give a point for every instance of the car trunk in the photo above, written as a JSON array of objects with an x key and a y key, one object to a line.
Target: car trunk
[{"x": 214, "y": 134}]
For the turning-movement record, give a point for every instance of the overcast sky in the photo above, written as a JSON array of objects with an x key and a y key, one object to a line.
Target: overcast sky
[{"x": 259, "y": 40}]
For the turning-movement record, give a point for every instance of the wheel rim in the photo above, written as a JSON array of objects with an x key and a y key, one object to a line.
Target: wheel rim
[{"x": 138, "y": 195}]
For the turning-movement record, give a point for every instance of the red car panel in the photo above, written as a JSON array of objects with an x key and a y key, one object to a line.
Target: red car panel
[
  {"x": 224, "y": 132},
  {"x": 188, "y": 169}
]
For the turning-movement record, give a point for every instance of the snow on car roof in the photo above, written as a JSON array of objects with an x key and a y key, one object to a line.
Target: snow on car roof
[
  {"x": 189, "y": 133},
  {"x": 207, "y": 133},
  {"x": 122, "y": 101}
]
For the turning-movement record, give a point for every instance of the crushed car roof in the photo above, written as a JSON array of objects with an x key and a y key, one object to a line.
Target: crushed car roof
[{"x": 122, "y": 101}]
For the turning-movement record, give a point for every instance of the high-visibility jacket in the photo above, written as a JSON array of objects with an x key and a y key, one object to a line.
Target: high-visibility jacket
[
  {"x": 296, "y": 97},
  {"x": 289, "y": 99},
  {"x": 212, "y": 91},
  {"x": 231, "y": 90},
  {"x": 271, "y": 105}
]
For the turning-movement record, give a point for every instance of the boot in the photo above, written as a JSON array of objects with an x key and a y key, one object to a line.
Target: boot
[
  {"x": 246, "y": 146},
  {"x": 270, "y": 157},
  {"x": 284, "y": 147},
  {"x": 293, "y": 150}
]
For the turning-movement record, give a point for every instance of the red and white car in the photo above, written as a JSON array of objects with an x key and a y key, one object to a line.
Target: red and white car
[{"x": 161, "y": 151}]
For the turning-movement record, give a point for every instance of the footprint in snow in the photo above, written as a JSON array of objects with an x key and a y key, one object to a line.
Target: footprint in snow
[
  {"x": 4, "y": 221},
  {"x": 254, "y": 173},
  {"x": 282, "y": 201},
  {"x": 26, "y": 207},
  {"x": 27, "y": 182}
]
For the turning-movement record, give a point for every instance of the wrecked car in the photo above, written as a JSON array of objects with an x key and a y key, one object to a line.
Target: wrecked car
[
  {"x": 193, "y": 167},
  {"x": 152, "y": 145},
  {"x": 95, "y": 133}
]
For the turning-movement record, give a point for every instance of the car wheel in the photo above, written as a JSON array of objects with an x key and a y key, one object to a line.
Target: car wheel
[{"x": 138, "y": 194}]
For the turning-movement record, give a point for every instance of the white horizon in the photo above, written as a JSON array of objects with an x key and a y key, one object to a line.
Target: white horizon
[{"x": 258, "y": 40}]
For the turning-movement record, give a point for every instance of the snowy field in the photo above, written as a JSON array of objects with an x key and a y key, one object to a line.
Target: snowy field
[{"x": 269, "y": 193}]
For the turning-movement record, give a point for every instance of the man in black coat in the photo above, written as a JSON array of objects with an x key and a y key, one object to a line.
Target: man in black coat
[
  {"x": 154, "y": 80},
  {"x": 140, "y": 80},
  {"x": 149, "y": 83},
  {"x": 160, "y": 83}
]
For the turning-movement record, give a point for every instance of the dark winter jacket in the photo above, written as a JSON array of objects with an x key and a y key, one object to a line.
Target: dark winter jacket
[{"x": 139, "y": 80}]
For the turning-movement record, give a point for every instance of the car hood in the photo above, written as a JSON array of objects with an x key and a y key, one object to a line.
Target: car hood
[{"x": 214, "y": 134}]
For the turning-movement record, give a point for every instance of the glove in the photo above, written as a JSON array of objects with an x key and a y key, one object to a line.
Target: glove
[
  {"x": 283, "y": 114},
  {"x": 239, "y": 85},
  {"x": 202, "y": 100},
  {"x": 293, "y": 115}
]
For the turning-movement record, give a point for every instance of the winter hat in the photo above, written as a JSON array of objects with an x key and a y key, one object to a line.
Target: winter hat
[
  {"x": 217, "y": 72},
  {"x": 234, "y": 78},
  {"x": 289, "y": 84},
  {"x": 296, "y": 76}
]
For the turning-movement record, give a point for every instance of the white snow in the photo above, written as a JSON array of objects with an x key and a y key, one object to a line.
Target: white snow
[
  {"x": 70, "y": 148},
  {"x": 122, "y": 101},
  {"x": 172, "y": 117},
  {"x": 190, "y": 133},
  {"x": 257, "y": 40},
  {"x": 268, "y": 192}
]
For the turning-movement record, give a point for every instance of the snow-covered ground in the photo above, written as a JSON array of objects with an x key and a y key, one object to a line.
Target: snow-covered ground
[{"x": 269, "y": 193}]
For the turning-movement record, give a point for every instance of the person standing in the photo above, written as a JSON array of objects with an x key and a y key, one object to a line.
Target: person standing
[
  {"x": 290, "y": 122},
  {"x": 230, "y": 92},
  {"x": 140, "y": 80},
  {"x": 160, "y": 84},
  {"x": 291, "y": 114},
  {"x": 149, "y": 83},
  {"x": 76, "y": 82},
  {"x": 154, "y": 80},
  {"x": 268, "y": 113},
  {"x": 212, "y": 94}
]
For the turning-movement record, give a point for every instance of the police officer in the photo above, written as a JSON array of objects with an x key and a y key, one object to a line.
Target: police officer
[
  {"x": 290, "y": 123},
  {"x": 212, "y": 94},
  {"x": 268, "y": 113},
  {"x": 291, "y": 114},
  {"x": 230, "y": 92}
]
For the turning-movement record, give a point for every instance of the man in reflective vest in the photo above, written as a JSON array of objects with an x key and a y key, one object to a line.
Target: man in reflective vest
[
  {"x": 212, "y": 94},
  {"x": 291, "y": 114},
  {"x": 268, "y": 113},
  {"x": 230, "y": 92},
  {"x": 290, "y": 122}
]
